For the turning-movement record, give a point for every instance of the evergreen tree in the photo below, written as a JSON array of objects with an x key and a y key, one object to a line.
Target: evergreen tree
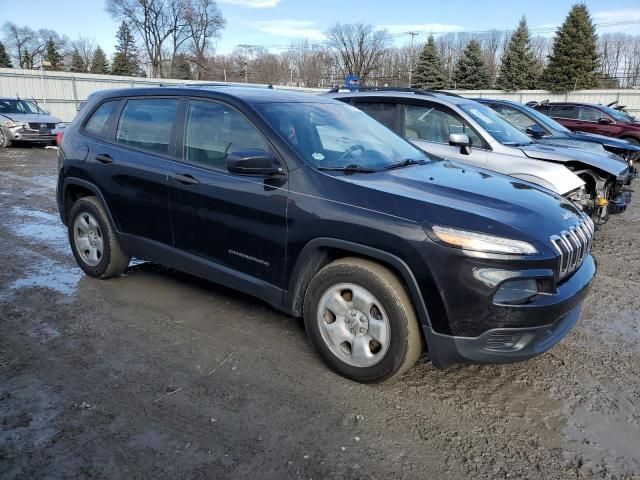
[
  {"x": 574, "y": 61},
  {"x": 27, "y": 60},
  {"x": 519, "y": 69},
  {"x": 77, "y": 62},
  {"x": 471, "y": 72},
  {"x": 180, "y": 68},
  {"x": 52, "y": 55},
  {"x": 99, "y": 63},
  {"x": 5, "y": 61},
  {"x": 429, "y": 72},
  {"x": 125, "y": 61}
]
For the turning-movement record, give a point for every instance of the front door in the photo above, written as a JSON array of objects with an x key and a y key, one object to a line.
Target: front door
[
  {"x": 223, "y": 221},
  {"x": 428, "y": 126}
]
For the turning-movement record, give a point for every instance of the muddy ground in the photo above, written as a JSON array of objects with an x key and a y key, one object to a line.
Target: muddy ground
[{"x": 157, "y": 374}]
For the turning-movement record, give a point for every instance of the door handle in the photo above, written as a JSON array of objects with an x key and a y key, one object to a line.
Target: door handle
[
  {"x": 186, "y": 179},
  {"x": 104, "y": 158}
]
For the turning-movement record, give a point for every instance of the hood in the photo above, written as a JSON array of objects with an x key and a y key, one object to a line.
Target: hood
[
  {"x": 617, "y": 143},
  {"x": 462, "y": 196},
  {"x": 31, "y": 118},
  {"x": 604, "y": 161}
]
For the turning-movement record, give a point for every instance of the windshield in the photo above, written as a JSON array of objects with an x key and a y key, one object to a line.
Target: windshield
[
  {"x": 499, "y": 128},
  {"x": 328, "y": 135},
  {"x": 21, "y": 107},
  {"x": 618, "y": 115},
  {"x": 548, "y": 121}
]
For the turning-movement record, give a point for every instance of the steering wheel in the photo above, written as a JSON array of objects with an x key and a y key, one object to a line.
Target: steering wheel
[{"x": 350, "y": 150}]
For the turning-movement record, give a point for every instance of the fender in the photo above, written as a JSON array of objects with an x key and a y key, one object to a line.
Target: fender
[
  {"x": 89, "y": 186},
  {"x": 311, "y": 256}
]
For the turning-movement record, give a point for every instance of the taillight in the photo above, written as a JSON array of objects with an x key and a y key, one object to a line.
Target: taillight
[{"x": 59, "y": 138}]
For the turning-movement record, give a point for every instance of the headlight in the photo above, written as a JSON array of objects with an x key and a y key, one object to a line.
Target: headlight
[
  {"x": 481, "y": 242},
  {"x": 12, "y": 124}
]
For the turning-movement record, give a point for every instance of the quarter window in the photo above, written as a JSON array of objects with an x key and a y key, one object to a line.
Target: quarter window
[
  {"x": 97, "y": 124},
  {"x": 434, "y": 125},
  {"x": 213, "y": 131},
  {"x": 147, "y": 124}
]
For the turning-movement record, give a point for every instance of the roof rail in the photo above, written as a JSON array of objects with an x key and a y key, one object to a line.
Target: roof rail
[{"x": 418, "y": 91}]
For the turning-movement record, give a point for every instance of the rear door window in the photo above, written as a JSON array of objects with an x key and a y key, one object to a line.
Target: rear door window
[
  {"x": 98, "y": 124},
  {"x": 564, "y": 111},
  {"x": 146, "y": 124},
  {"x": 385, "y": 113}
]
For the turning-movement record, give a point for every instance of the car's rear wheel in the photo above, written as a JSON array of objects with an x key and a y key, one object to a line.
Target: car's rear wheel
[
  {"x": 361, "y": 321},
  {"x": 93, "y": 242},
  {"x": 4, "y": 140}
]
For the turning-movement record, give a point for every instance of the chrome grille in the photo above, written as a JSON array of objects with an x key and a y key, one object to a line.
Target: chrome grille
[{"x": 573, "y": 245}]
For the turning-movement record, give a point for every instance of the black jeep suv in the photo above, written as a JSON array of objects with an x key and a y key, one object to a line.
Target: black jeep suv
[{"x": 314, "y": 207}]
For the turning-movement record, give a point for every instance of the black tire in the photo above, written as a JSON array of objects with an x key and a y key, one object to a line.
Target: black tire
[
  {"x": 405, "y": 344},
  {"x": 4, "y": 141},
  {"x": 113, "y": 260},
  {"x": 632, "y": 140}
]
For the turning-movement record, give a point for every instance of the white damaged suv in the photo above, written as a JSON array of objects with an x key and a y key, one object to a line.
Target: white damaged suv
[{"x": 24, "y": 121}]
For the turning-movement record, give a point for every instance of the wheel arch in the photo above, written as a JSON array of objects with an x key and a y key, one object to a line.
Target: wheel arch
[
  {"x": 319, "y": 252},
  {"x": 75, "y": 188}
]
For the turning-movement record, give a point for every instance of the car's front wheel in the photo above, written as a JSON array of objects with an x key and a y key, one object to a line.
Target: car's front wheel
[
  {"x": 361, "y": 321},
  {"x": 4, "y": 140},
  {"x": 93, "y": 242}
]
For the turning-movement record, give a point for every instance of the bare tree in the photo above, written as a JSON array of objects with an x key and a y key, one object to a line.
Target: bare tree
[
  {"x": 18, "y": 40},
  {"x": 205, "y": 22},
  {"x": 86, "y": 48},
  {"x": 357, "y": 48},
  {"x": 151, "y": 20}
]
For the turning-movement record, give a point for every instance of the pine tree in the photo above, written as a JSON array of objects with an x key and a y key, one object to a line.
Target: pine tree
[
  {"x": 27, "y": 60},
  {"x": 180, "y": 68},
  {"x": 574, "y": 61},
  {"x": 99, "y": 63},
  {"x": 77, "y": 62},
  {"x": 52, "y": 55},
  {"x": 5, "y": 61},
  {"x": 429, "y": 72},
  {"x": 125, "y": 61},
  {"x": 519, "y": 69},
  {"x": 471, "y": 72}
]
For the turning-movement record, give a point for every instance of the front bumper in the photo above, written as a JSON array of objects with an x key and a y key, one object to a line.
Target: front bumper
[
  {"x": 531, "y": 329},
  {"x": 26, "y": 134}
]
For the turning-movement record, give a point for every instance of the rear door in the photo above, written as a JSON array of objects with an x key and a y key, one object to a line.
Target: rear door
[
  {"x": 428, "y": 125},
  {"x": 131, "y": 142},
  {"x": 225, "y": 222}
]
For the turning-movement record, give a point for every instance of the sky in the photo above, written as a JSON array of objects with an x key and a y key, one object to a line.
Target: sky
[{"x": 275, "y": 23}]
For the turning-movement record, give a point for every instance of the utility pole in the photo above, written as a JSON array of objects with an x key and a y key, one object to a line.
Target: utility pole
[{"x": 413, "y": 35}]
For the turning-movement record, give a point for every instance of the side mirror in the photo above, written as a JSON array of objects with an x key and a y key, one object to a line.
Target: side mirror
[
  {"x": 605, "y": 121},
  {"x": 461, "y": 140},
  {"x": 253, "y": 161},
  {"x": 535, "y": 131}
]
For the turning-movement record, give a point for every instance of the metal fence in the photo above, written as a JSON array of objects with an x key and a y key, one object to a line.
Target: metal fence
[{"x": 62, "y": 92}]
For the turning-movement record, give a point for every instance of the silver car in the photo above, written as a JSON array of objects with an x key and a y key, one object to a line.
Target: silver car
[
  {"x": 454, "y": 127},
  {"x": 24, "y": 121}
]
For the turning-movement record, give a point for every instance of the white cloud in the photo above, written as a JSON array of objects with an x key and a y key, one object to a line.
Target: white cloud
[
  {"x": 252, "y": 3},
  {"x": 625, "y": 16},
  {"x": 422, "y": 27},
  {"x": 290, "y": 28}
]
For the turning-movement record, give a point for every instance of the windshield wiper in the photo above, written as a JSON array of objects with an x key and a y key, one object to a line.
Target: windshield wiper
[
  {"x": 353, "y": 168},
  {"x": 405, "y": 163}
]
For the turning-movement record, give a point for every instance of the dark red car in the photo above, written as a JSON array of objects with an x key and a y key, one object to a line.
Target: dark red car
[{"x": 593, "y": 118}]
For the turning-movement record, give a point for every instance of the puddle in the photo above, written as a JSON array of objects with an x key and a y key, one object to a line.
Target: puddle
[
  {"x": 40, "y": 227},
  {"x": 50, "y": 274}
]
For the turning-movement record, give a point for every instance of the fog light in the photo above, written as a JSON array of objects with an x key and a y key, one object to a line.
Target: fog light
[{"x": 514, "y": 292}]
